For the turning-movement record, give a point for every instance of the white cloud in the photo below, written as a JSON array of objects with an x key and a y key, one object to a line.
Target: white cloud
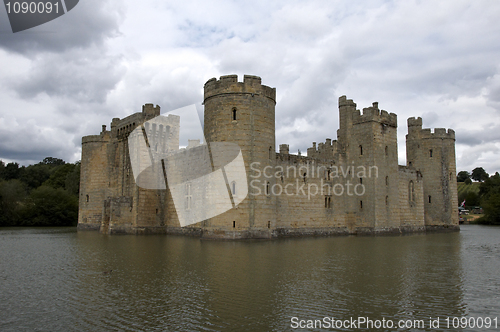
[{"x": 416, "y": 58}]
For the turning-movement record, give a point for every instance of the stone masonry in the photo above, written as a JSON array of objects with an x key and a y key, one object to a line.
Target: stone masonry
[{"x": 352, "y": 185}]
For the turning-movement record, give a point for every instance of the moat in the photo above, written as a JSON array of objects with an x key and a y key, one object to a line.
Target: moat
[{"x": 57, "y": 279}]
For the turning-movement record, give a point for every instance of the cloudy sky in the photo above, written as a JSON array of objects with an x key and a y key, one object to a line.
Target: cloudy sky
[{"x": 106, "y": 58}]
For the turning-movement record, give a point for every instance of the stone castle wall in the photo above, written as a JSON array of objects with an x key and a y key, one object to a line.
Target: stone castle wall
[
  {"x": 433, "y": 154},
  {"x": 288, "y": 195}
]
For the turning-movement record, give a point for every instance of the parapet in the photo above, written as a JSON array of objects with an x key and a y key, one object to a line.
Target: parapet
[
  {"x": 150, "y": 111},
  {"x": 322, "y": 151},
  {"x": 440, "y": 133},
  {"x": 251, "y": 80},
  {"x": 415, "y": 122},
  {"x": 122, "y": 127},
  {"x": 95, "y": 139},
  {"x": 229, "y": 84},
  {"x": 415, "y": 130},
  {"x": 372, "y": 113},
  {"x": 343, "y": 101},
  {"x": 284, "y": 148}
]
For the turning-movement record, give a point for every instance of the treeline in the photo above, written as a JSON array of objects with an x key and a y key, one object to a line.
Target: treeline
[
  {"x": 488, "y": 195},
  {"x": 44, "y": 194}
]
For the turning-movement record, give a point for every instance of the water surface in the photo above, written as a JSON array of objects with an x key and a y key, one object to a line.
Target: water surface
[{"x": 57, "y": 279}]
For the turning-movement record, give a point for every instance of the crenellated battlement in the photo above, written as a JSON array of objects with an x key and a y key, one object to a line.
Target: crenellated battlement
[
  {"x": 229, "y": 84},
  {"x": 284, "y": 149},
  {"x": 323, "y": 151},
  {"x": 440, "y": 133},
  {"x": 292, "y": 158},
  {"x": 415, "y": 130},
  {"x": 103, "y": 138},
  {"x": 122, "y": 127},
  {"x": 343, "y": 101},
  {"x": 149, "y": 111},
  {"x": 374, "y": 114},
  {"x": 415, "y": 122}
]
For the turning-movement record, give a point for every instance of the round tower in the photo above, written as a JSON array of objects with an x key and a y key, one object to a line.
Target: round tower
[
  {"x": 433, "y": 154},
  {"x": 244, "y": 113}
]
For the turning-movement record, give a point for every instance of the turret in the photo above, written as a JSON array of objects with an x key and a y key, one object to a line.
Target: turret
[
  {"x": 284, "y": 148},
  {"x": 346, "y": 110},
  {"x": 244, "y": 113},
  {"x": 370, "y": 140},
  {"x": 149, "y": 111},
  {"x": 433, "y": 154}
]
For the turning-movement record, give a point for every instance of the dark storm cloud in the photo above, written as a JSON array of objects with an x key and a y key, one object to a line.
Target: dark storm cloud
[
  {"x": 89, "y": 23},
  {"x": 62, "y": 73},
  {"x": 488, "y": 134},
  {"x": 85, "y": 78},
  {"x": 28, "y": 144},
  {"x": 51, "y": 131}
]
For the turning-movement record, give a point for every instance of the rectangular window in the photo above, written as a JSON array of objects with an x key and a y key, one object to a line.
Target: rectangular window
[
  {"x": 328, "y": 202},
  {"x": 189, "y": 197}
]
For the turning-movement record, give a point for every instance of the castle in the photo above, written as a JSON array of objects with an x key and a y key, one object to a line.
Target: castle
[{"x": 352, "y": 185}]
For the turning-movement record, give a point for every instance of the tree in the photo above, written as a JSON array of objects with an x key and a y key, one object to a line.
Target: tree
[
  {"x": 491, "y": 208},
  {"x": 462, "y": 176},
  {"x": 489, "y": 191},
  {"x": 34, "y": 175},
  {"x": 468, "y": 181},
  {"x": 48, "y": 206},
  {"x": 12, "y": 195},
  {"x": 72, "y": 184},
  {"x": 479, "y": 174},
  {"x": 36, "y": 195},
  {"x": 53, "y": 161},
  {"x": 2, "y": 169},
  {"x": 12, "y": 171},
  {"x": 58, "y": 177},
  {"x": 471, "y": 199}
]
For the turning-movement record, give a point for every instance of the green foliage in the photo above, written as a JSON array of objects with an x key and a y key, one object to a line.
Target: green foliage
[
  {"x": 491, "y": 185},
  {"x": 44, "y": 194},
  {"x": 58, "y": 177},
  {"x": 34, "y": 175},
  {"x": 12, "y": 171},
  {"x": 2, "y": 169},
  {"x": 72, "y": 182},
  {"x": 490, "y": 200},
  {"x": 468, "y": 192},
  {"x": 12, "y": 197},
  {"x": 49, "y": 206},
  {"x": 468, "y": 181},
  {"x": 53, "y": 161},
  {"x": 463, "y": 188},
  {"x": 479, "y": 174},
  {"x": 463, "y": 176},
  {"x": 472, "y": 199},
  {"x": 491, "y": 207}
]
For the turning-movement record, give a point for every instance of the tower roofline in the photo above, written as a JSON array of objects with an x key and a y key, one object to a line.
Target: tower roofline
[{"x": 229, "y": 84}]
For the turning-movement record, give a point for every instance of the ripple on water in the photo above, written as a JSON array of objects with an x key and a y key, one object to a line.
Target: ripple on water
[{"x": 52, "y": 279}]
